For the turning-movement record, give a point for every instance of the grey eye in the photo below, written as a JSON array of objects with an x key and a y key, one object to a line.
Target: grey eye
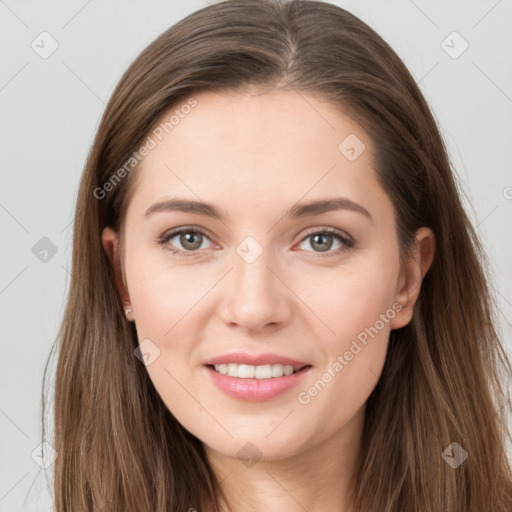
[
  {"x": 189, "y": 240},
  {"x": 322, "y": 242}
]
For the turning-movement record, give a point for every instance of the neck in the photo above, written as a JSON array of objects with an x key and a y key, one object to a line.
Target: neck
[{"x": 316, "y": 479}]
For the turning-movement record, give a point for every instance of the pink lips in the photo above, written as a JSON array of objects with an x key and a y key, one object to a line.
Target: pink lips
[
  {"x": 259, "y": 360},
  {"x": 255, "y": 390}
]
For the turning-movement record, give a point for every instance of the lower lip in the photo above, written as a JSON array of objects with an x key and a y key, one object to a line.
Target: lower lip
[{"x": 255, "y": 390}]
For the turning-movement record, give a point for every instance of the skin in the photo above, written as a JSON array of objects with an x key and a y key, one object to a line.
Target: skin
[{"x": 254, "y": 157}]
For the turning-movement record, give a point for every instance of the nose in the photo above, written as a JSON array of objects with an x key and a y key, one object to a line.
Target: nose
[{"x": 256, "y": 296}]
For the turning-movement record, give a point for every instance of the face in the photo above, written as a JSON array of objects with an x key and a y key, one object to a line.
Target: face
[{"x": 269, "y": 282}]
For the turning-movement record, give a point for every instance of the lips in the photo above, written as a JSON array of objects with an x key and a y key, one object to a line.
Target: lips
[
  {"x": 256, "y": 389},
  {"x": 256, "y": 360}
]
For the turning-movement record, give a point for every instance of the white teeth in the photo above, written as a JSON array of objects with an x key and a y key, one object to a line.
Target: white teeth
[
  {"x": 245, "y": 371},
  {"x": 277, "y": 370},
  {"x": 233, "y": 370},
  {"x": 248, "y": 371},
  {"x": 263, "y": 372}
]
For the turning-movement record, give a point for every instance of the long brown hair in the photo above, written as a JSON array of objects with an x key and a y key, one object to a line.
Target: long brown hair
[{"x": 119, "y": 447}]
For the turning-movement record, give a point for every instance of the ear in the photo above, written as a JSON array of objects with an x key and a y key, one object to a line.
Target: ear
[
  {"x": 110, "y": 241},
  {"x": 415, "y": 268}
]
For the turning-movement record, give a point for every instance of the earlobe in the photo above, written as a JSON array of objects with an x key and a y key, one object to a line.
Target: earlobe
[
  {"x": 415, "y": 269},
  {"x": 110, "y": 241}
]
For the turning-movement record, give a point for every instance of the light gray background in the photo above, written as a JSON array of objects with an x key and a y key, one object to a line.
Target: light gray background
[{"x": 50, "y": 109}]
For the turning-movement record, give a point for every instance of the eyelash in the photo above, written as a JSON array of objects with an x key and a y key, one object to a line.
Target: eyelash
[{"x": 347, "y": 242}]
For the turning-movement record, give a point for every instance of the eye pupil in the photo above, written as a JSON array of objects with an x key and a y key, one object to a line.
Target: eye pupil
[
  {"x": 186, "y": 239},
  {"x": 322, "y": 236},
  {"x": 191, "y": 241}
]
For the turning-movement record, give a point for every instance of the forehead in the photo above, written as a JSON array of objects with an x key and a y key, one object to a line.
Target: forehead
[{"x": 256, "y": 149}]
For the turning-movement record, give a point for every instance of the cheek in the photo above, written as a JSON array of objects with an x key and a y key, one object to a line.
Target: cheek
[
  {"x": 349, "y": 300},
  {"x": 163, "y": 294},
  {"x": 339, "y": 311},
  {"x": 358, "y": 309},
  {"x": 338, "y": 304}
]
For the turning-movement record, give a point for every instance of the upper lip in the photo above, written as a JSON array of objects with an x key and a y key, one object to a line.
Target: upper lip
[{"x": 256, "y": 360}]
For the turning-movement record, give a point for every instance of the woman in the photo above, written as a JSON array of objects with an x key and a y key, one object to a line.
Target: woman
[{"x": 277, "y": 300}]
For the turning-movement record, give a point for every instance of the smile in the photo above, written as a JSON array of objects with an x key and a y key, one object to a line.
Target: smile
[
  {"x": 255, "y": 383},
  {"x": 249, "y": 371}
]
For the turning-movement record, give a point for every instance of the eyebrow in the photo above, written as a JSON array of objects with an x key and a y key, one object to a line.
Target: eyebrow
[{"x": 297, "y": 211}]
